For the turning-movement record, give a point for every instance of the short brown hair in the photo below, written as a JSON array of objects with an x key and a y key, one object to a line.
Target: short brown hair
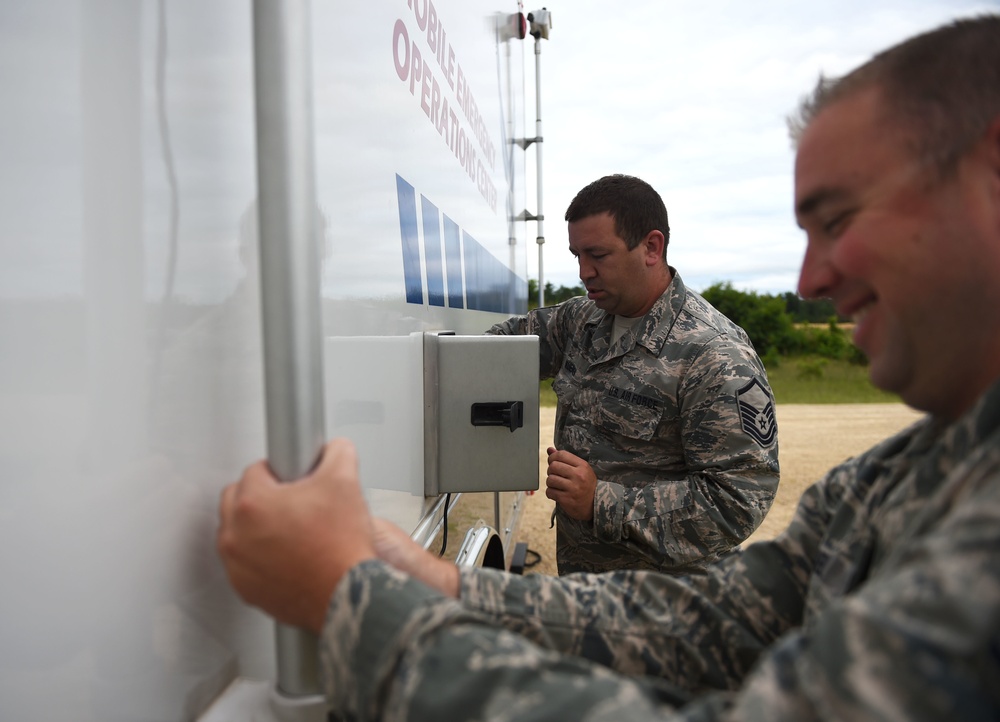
[
  {"x": 942, "y": 85},
  {"x": 635, "y": 206}
]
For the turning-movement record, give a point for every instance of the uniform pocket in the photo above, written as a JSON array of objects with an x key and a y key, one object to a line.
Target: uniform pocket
[{"x": 630, "y": 414}]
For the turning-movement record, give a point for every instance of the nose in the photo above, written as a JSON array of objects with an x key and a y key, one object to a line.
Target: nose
[
  {"x": 586, "y": 269},
  {"x": 817, "y": 277}
]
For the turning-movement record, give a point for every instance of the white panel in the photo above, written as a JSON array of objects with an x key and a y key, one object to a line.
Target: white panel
[{"x": 374, "y": 396}]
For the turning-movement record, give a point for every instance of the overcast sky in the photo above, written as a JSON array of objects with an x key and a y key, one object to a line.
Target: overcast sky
[{"x": 692, "y": 97}]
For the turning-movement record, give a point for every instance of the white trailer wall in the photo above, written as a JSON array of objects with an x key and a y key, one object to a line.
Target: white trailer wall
[{"x": 130, "y": 359}]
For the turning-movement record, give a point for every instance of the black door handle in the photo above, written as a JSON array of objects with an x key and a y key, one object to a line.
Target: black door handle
[{"x": 499, "y": 413}]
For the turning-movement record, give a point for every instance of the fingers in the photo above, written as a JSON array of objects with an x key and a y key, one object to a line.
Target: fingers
[
  {"x": 558, "y": 468},
  {"x": 559, "y": 483},
  {"x": 226, "y": 501},
  {"x": 564, "y": 475},
  {"x": 570, "y": 483},
  {"x": 285, "y": 547},
  {"x": 337, "y": 459},
  {"x": 565, "y": 457},
  {"x": 562, "y": 472},
  {"x": 254, "y": 476},
  {"x": 222, "y": 543},
  {"x": 339, "y": 456}
]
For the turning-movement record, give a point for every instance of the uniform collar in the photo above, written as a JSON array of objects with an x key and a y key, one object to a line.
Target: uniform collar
[{"x": 652, "y": 333}]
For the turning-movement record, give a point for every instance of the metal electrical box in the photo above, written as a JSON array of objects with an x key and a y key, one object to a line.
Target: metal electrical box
[{"x": 480, "y": 413}]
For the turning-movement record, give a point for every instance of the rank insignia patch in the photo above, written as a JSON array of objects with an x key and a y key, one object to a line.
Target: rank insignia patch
[{"x": 757, "y": 413}]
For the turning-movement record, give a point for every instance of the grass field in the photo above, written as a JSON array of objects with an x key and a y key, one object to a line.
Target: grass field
[{"x": 803, "y": 380}]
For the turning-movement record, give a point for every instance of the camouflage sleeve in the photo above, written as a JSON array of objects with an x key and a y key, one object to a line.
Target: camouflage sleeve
[
  {"x": 633, "y": 644},
  {"x": 553, "y": 325},
  {"x": 730, "y": 455},
  {"x": 394, "y": 649},
  {"x": 701, "y": 631},
  {"x": 917, "y": 641},
  {"x": 628, "y": 646},
  {"x": 513, "y": 326}
]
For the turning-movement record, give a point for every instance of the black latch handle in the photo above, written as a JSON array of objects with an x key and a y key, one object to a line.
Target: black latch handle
[{"x": 499, "y": 413}]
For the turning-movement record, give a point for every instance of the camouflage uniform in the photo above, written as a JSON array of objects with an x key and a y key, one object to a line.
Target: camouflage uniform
[
  {"x": 677, "y": 421},
  {"x": 880, "y": 602}
]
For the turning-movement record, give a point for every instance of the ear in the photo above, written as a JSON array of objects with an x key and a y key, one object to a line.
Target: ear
[{"x": 653, "y": 245}]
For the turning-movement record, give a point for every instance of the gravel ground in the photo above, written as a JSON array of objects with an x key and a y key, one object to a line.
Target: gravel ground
[{"x": 812, "y": 438}]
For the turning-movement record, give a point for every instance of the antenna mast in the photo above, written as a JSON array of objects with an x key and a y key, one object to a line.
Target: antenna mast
[{"x": 540, "y": 24}]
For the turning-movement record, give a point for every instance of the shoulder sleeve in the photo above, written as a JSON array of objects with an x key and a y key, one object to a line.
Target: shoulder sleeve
[{"x": 555, "y": 326}]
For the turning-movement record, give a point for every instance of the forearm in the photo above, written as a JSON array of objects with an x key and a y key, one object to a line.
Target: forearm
[
  {"x": 637, "y": 623},
  {"x": 513, "y": 326},
  {"x": 394, "y": 648},
  {"x": 634, "y": 645},
  {"x": 687, "y": 519}
]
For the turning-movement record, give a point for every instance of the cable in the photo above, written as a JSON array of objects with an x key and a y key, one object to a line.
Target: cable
[{"x": 444, "y": 534}]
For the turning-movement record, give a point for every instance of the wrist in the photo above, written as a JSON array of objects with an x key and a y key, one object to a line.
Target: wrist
[
  {"x": 444, "y": 577},
  {"x": 452, "y": 583}
]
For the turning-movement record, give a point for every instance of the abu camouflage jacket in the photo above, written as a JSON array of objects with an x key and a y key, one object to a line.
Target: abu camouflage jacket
[
  {"x": 676, "y": 419},
  {"x": 881, "y": 601}
]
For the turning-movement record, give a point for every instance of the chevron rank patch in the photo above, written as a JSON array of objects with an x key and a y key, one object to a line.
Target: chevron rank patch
[{"x": 757, "y": 413}]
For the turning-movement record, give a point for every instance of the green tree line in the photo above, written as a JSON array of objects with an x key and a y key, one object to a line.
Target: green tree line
[
  {"x": 778, "y": 325},
  {"x": 784, "y": 324},
  {"x": 552, "y": 295}
]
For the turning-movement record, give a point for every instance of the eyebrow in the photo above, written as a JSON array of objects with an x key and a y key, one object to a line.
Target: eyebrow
[
  {"x": 588, "y": 249},
  {"x": 809, "y": 204}
]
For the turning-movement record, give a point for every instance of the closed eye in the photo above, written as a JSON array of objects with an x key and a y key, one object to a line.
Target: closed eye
[{"x": 836, "y": 225}]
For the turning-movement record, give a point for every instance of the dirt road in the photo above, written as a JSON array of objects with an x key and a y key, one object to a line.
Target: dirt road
[{"x": 812, "y": 439}]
